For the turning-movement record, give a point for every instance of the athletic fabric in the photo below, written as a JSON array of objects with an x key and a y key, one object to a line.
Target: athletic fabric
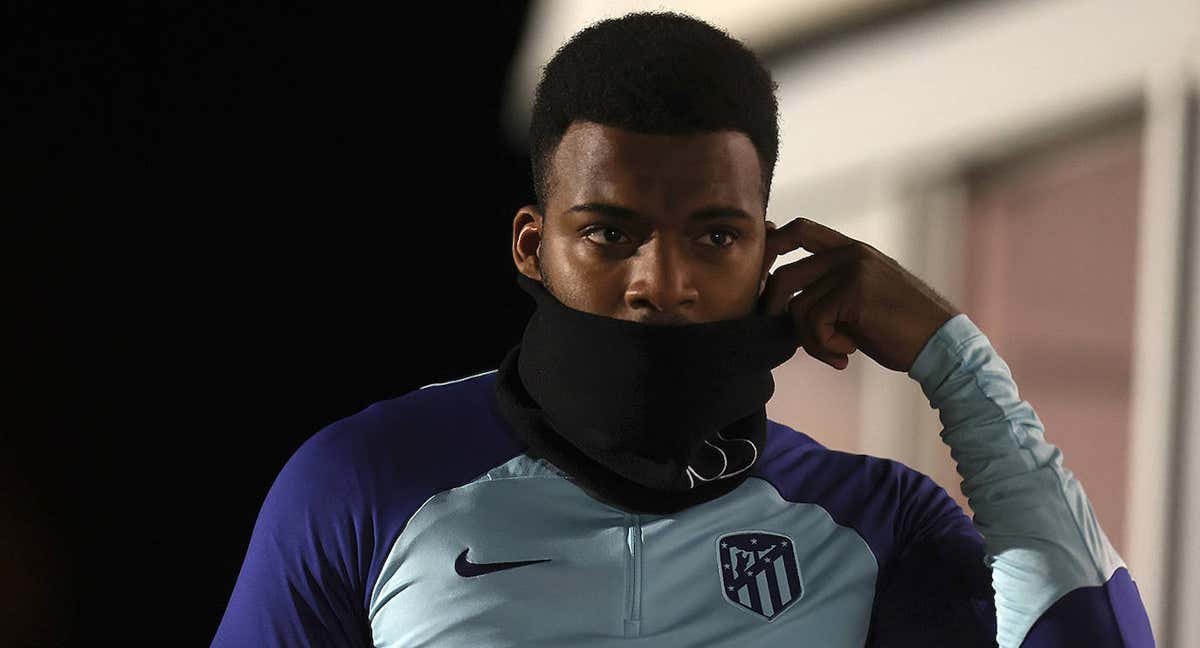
[{"x": 420, "y": 521}]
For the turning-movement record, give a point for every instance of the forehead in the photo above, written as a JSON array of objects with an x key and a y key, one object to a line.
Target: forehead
[{"x": 595, "y": 161}]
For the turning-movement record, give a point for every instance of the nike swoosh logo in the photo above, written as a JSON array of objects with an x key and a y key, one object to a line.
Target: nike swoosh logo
[{"x": 468, "y": 569}]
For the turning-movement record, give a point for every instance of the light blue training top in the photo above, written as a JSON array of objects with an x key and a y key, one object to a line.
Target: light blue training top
[{"x": 420, "y": 521}]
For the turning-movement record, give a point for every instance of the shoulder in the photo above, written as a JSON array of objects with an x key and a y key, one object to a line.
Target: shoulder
[
  {"x": 801, "y": 466},
  {"x": 352, "y": 486},
  {"x": 379, "y": 465},
  {"x": 436, "y": 436},
  {"x": 889, "y": 503}
]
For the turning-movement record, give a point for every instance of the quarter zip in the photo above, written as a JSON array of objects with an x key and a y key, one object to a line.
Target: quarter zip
[{"x": 633, "y": 577}]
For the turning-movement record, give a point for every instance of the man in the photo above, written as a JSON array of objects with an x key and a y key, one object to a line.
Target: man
[{"x": 615, "y": 481}]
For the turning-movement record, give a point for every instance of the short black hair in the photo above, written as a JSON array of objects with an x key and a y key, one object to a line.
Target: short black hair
[{"x": 661, "y": 73}]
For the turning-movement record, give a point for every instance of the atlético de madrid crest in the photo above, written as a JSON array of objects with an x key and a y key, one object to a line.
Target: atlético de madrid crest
[{"x": 759, "y": 572}]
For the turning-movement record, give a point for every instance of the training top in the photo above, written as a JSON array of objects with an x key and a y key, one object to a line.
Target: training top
[{"x": 420, "y": 521}]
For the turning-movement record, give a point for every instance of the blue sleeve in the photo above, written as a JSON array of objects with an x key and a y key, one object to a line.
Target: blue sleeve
[
  {"x": 300, "y": 583},
  {"x": 1054, "y": 573},
  {"x": 936, "y": 590}
]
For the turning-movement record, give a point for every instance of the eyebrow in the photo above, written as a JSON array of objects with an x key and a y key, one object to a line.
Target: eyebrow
[{"x": 625, "y": 213}]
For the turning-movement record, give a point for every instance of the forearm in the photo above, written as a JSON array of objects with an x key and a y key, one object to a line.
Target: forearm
[{"x": 1041, "y": 535}]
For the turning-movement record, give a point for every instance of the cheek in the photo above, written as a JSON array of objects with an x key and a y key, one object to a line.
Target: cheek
[
  {"x": 731, "y": 291},
  {"x": 585, "y": 280}
]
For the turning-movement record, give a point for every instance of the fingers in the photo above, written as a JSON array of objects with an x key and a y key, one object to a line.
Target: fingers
[
  {"x": 787, "y": 280},
  {"x": 822, "y": 280},
  {"x": 824, "y": 341},
  {"x": 815, "y": 313},
  {"x": 802, "y": 232}
]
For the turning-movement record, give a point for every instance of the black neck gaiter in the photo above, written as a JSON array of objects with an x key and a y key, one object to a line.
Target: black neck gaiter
[{"x": 645, "y": 417}]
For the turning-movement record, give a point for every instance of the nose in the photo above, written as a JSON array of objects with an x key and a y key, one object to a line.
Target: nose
[{"x": 661, "y": 288}]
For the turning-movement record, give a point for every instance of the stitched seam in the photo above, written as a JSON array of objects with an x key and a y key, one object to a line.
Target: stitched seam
[{"x": 829, "y": 515}]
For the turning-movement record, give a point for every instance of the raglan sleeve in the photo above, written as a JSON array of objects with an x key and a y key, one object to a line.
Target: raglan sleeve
[
  {"x": 935, "y": 589},
  {"x": 1055, "y": 577},
  {"x": 300, "y": 583}
]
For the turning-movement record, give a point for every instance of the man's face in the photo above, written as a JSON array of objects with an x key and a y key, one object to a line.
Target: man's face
[{"x": 663, "y": 254}]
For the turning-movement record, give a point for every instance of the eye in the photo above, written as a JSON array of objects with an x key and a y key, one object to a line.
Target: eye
[
  {"x": 605, "y": 230},
  {"x": 729, "y": 235}
]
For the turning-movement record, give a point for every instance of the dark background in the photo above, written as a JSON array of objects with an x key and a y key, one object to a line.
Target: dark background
[{"x": 224, "y": 229}]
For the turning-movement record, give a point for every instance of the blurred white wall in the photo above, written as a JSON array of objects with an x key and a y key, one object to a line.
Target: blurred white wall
[
  {"x": 880, "y": 126},
  {"x": 880, "y": 130}
]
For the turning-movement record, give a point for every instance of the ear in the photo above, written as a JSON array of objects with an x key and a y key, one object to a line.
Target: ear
[
  {"x": 527, "y": 241},
  {"x": 768, "y": 261}
]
